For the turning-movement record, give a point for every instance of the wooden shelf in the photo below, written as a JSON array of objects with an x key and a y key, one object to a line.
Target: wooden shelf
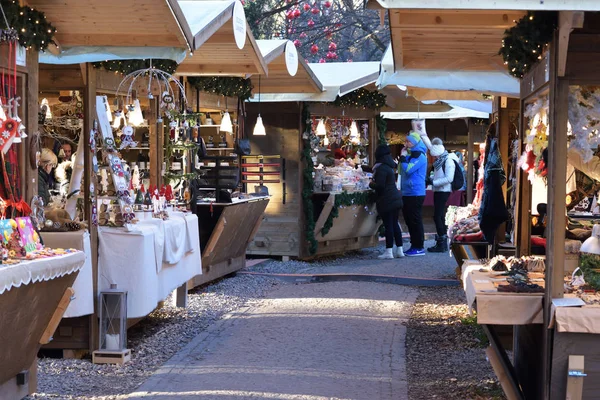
[
  {"x": 212, "y": 126},
  {"x": 137, "y": 148},
  {"x": 219, "y": 148}
]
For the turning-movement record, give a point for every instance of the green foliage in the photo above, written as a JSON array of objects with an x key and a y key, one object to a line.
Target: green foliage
[
  {"x": 381, "y": 129},
  {"x": 224, "y": 86},
  {"x": 524, "y": 43},
  {"x": 31, "y": 25},
  {"x": 362, "y": 98},
  {"x": 128, "y": 66},
  {"x": 308, "y": 183},
  {"x": 345, "y": 199},
  {"x": 590, "y": 264}
]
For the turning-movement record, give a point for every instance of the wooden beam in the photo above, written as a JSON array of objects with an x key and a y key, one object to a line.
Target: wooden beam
[
  {"x": 567, "y": 21},
  {"x": 32, "y": 107},
  {"x": 397, "y": 50},
  {"x": 157, "y": 39},
  {"x": 456, "y": 20}
]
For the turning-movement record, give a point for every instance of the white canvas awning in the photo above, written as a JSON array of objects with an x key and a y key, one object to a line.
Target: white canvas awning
[{"x": 454, "y": 113}]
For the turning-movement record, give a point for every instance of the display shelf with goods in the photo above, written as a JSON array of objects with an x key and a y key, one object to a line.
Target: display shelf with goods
[{"x": 329, "y": 211}]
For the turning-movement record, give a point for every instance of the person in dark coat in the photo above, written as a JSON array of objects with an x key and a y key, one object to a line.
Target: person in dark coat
[
  {"x": 389, "y": 200},
  {"x": 493, "y": 211}
]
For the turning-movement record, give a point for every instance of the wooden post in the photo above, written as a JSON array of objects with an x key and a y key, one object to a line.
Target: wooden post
[
  {"x": 470, "y": 159},
  {"x": 557, "y": 176},
  {"x": 31, "y": 121},
  {"x": 89, "y": 104},
  {"x": 575, "y": 377},
  {"x": 523, "y": 203},
  {"x": 155, "y": 144}
]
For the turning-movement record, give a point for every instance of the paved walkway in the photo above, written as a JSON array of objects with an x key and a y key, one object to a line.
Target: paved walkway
[{"x": 342, "y": 340}]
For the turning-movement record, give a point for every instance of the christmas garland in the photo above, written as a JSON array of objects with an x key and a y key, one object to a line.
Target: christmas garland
[
  {"x": 224, "y": 86},
  {"x": 381, "y": 129},
  {"x": 524, "y": 43},
  {"x": 126, "y": 67},
  {"x": 346, "y": 199},
  {"x": 31, "y": 26},
  {"x": 308, "y": 183},
  {"x": 361, "y": 98}
]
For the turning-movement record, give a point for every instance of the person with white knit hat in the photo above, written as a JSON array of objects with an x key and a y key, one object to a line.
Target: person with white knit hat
[{"x": 443, "y": 175}]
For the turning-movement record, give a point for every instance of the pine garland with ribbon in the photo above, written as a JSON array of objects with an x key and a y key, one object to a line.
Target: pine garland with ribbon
[
  {"x": 381, "y": 124},
  {"x": 524, "y": 43},
  {"x": 126, "y": 67},
  {"x": 32, "y": 28},
  {"x": 345, "y": 199},
  {"x": 308, "y": 183},
  {"x": 362, "y": 98},
  {"x": 224, "y": 86}
]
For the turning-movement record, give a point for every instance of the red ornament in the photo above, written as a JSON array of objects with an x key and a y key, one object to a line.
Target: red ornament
[
  {"x": 349, "y": 60},
  {"x": 297, "y": 43},
  {"x": 290, "y": 15},
  {"x": 310, "y": 23},
  {"x": 327, "y": 4},
  {"x": 338, "y": 25},
  {"x": 332, "y": 46},
  {"x": 314, "y": 49},
  {"x": 303, "y": 35},
  {"x": 315, "y": 11},
  {"x": 322, "y": 61},
  {"x": 297, "y": 13},
  {"x": 330, "y": 55},
  {"x": 289, "y": 30},
  {"x": 306, "y": 6}
]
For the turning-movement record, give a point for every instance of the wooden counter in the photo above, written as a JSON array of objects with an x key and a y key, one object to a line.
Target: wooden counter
[{"x": 225, "y": 231}]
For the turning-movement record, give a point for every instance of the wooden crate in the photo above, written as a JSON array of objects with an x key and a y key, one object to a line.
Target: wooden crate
[{"x": 111, "y": 357}]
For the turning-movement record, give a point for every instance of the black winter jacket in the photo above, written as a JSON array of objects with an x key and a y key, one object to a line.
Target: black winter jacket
[{"x": 384, "y": 183}]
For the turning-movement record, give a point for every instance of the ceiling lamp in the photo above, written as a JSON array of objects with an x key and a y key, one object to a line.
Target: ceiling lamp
[
  {"x": 45, "y": 108},
  {"x": 259, "y": 128},
  {"x": 226, "y": 125},
  {"x": 321, "y": 131},
  {"x": 117, "y": 120},
  {"x": 135, "y": 116},
  {"x": 353, "y": 130}
]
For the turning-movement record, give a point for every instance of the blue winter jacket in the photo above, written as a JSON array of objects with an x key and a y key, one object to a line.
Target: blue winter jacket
[{"x": 413, "y": 169}]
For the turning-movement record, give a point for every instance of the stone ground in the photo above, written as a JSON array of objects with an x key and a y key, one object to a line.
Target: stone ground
[{"x": 255, "y": 337}]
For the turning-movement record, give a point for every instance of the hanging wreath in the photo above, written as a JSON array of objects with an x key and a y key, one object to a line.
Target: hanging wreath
[
  {"x": 524, "y": 43},
  {"x": 126, "y": 67},
  {"x": 361, "y": 98},
  {"x": 223, "y": 86},
  {"x": 32, "y": 28}
]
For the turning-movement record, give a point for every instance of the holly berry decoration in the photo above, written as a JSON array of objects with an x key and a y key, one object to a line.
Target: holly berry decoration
[
  {"x": 314, "y": 49},
  {"x": 332, "y": 46},
  {"x": 310, "y": 23}
]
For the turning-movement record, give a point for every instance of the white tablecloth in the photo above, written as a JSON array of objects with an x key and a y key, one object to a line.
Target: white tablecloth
[
  {"x": 40, "y": 270},
  {"x": 83, "y": 303},
  {"x": 135, "y": 260}
]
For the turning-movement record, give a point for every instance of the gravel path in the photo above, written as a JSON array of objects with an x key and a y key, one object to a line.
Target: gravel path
[{"x": 342, "y": 340}]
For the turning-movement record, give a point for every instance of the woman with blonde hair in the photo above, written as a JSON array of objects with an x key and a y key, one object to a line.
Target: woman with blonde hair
[{"x": 48, "y": 161}]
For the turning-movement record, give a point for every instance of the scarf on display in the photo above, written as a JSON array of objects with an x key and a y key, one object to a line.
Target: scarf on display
[{"x": 441, "y": 160}]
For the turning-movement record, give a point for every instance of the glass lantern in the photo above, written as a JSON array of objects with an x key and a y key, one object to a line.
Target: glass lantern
[{"x": 113, "y": 319}]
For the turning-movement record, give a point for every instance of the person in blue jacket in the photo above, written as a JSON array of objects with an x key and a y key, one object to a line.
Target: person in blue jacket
[{"x": 413, "y": 171}]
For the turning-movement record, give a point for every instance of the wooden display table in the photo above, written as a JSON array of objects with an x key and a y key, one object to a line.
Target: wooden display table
[
  {"x": 225, "y": 231},
  {"x": 356, "y": 227},
  {"x": 30, "y": 294}
]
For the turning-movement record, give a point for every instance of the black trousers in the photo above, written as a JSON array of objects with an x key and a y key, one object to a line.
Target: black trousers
[
  {"x": 439, "y": 212},
  {"x": 413, "y": 216},
  {"x": 393, "y": 232}
]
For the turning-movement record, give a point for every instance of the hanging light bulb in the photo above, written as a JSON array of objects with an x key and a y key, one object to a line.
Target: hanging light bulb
[
  {"x": 259, "y": 128},
  {"x": 321, "y": 131},
  {"x": 135, "y": 116},
  {"x": 226, "y": 125},
  {"x": 353, "y": 130}
]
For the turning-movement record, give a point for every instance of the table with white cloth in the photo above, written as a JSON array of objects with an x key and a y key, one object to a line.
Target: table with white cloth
[
  {"x": 30, "y": 293},
  {"x": 83, "y": 303},
  {"x": 150, "y": 260}
]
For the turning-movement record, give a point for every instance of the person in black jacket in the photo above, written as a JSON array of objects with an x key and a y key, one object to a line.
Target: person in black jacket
[{"x": 389, "y": 200}]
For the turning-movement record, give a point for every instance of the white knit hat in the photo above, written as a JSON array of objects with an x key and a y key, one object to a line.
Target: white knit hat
[{"x": 437, "y": 147}]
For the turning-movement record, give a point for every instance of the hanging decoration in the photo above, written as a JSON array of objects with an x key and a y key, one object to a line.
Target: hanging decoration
[
  {"x": 308, "y": 140},
  {"x": 345, "y": 199},
  {"x": 126, "y": 67},
  {"x": 524, "y": 43},
  {"x": 223, "y": 86},
  {"x": 362, "y": 98},
  {"x": 534, "y": 158},
  {"x": 26, "y": 25},
  {"x": 584, "y": 119},
  {"x": 381, "y": 124}
]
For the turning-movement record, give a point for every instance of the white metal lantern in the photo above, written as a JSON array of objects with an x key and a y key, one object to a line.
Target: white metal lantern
[
  {"x": 226, "y": 125},
  {"x": 113, "y": 327},
  {"x": 259, "y": 128},
  {"x": 135, "y": 116},
  {"x": 321, "y": 130}
]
